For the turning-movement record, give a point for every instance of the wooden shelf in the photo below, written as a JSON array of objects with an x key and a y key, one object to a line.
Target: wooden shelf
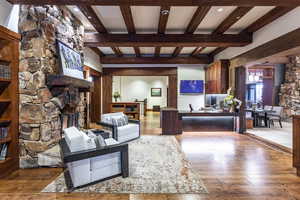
[
  {"x": 6, "y": 140},
  {"x": 5, "y": 121},
  {"x": 123, "y": 106},
  {"x": 5, "y": 101},
  {"x": 6, "y": 160},
  {"x": 5, "y": 80},
  {"x": 9, "y": 103},
  {"x": 62, "y": 81}
]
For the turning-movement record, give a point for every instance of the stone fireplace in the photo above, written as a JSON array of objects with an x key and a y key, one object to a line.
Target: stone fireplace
[
  {"x": 46, "y": 108},
  {"x": 290, "y": 90}
]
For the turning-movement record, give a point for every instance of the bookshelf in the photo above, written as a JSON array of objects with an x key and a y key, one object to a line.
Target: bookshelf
[
  {"x": 9, "y": 101},
  {"x": 132, "y": 110}
]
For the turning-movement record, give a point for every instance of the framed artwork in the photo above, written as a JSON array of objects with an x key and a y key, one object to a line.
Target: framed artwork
[
  {"x": 70, "y": 61},
  {"x": 155, "y": 92}
]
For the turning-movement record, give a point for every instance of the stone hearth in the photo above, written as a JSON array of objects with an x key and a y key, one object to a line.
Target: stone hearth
[
  {"x": 290, "y": 90},
  {"x": 43, "y": 109}
]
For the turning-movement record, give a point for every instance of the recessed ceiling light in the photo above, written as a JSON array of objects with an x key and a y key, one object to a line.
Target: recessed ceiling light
[
  {"x": 165, "y": 12},
  {"x": 220, "y": 9},
  {"x": 76, "y": 9}
]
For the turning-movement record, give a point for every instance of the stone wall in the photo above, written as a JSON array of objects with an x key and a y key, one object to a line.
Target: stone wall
[
  {"x": 40, "y": 123},
  {"x": 290, "y": 90}
]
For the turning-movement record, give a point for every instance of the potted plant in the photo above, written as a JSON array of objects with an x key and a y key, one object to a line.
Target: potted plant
[
  {"x": 232, "y": 102},
  {"x": 116, "y": 95}
]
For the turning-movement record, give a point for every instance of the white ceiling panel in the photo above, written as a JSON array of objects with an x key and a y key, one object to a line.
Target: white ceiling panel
[
  {"x": 112, "y": 18},
  {"x": 147, "y": 50},
  {"x": 167, "y": 50},
  {"x": 208, "y": 50},
  {"x": 214, "y": 18},
  {"x": 179, "y": 18},
  {"x": 106, "y": 50},
  {"x": 253, "y": 15},
  {"x": 87, "y": 25},
  {"x": 127, "y": 50},
  {"x": 187, "y": 50},
  {"x": 146, "y": 18}
]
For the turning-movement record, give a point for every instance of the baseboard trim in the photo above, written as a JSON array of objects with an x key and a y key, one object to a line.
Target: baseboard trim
[{"x": 270, "y": 143}]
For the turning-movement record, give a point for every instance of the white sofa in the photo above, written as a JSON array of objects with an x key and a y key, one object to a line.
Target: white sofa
[
  {"x": 124, "y": 133},
  {"x": 87, "y": 163}
]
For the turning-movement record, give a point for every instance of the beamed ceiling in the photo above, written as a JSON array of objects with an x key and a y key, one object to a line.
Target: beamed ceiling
[{"x": 169, "y": 31}]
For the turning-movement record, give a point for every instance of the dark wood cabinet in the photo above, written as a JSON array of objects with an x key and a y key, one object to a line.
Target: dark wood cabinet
[
  {"x": 9, "y": 101},
  {"x": 217, "y": 77}
]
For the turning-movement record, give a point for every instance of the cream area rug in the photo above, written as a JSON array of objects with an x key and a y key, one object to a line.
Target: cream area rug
[{"x": 156, "y": 165}]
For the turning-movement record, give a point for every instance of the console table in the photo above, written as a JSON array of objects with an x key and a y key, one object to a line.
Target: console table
[{"x": 174, "y": 121}]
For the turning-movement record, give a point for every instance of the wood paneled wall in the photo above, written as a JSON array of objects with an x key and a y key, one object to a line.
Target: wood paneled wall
[
  {"x": 95, "y": 98},
  {"x": 172, "y": 91},
  {"x": 296, "y": 143},
  {"x": 240, "y": 93},
  {"x": 107, "y": 92}
]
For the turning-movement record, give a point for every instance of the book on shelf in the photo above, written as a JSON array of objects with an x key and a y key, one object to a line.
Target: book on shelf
[
  {"x": 3, "y": 132},
  {"x": 5, "y": 71},
  {"x": 3, "y": 151}
]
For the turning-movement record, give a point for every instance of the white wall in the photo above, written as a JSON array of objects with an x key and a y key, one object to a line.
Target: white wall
[
  {"x": 9, "y": 15},
  {"x": 281, "y": 26},
  {"x": 91, "y": 59},
  {"x": 139, "y": 87},
  {"x": 188, "y": 72}
]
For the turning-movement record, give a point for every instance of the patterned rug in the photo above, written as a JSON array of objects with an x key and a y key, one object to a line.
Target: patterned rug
[{"x": 156, "y": 165}]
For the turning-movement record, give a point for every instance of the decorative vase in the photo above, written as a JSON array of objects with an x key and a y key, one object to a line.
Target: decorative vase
[{"x": 116, "y": 99}]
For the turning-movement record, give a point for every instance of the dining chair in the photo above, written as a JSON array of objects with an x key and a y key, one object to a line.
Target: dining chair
[
  {"x": 276, "y": 116},
  {"x": 261, "y": 116}
]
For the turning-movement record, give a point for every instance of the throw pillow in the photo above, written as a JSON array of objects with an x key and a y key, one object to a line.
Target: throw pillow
[
  {"x": 100, "y": 142},
  {"x": 125, "y": 118},
  {"x": 118, "y": 121}
]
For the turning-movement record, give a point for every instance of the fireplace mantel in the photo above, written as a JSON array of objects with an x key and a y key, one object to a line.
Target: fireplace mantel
[{"x": 65, "y": 81}]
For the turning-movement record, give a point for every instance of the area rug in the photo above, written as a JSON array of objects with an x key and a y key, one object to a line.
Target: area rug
[{"x": 156, "y": 165}]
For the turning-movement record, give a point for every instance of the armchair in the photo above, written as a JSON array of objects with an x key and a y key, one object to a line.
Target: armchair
[
  {"x": 124, "y": 133},
  {"x": 91, "y": 165}
]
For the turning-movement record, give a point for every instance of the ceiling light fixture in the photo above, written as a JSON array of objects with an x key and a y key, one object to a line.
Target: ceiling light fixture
[
  {"x": 165, "y": 12},
  {"x": 220, "y": 9}
]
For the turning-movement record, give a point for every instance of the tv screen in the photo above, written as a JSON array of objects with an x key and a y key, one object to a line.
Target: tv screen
[{"x": 191, "y": 86}]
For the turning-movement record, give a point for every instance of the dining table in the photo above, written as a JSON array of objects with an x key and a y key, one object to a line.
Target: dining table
[{"x": 256, "y": 113}]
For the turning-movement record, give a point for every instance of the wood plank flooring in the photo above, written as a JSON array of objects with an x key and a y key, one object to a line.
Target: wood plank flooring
[{"x": 232, "y": 167}]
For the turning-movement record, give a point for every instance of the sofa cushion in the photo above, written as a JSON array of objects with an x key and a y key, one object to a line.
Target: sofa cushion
[
  {"x": 128, "y": 132},
  {"x": 98, "y": 139},
  {"x": 118, "y": 121}
]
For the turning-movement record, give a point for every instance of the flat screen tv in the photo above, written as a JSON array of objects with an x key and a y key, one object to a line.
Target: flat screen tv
[{"x": 191, "y": 86}]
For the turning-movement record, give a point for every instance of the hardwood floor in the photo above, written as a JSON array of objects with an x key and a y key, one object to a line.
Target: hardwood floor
[{"x": 232, "y": 166}]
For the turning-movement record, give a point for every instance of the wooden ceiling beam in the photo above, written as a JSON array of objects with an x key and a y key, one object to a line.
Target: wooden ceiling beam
[
  {"x": 157, "y": 51},
  {"x": 202, "y": 59},
  {"x": 97, "y": 51},
  {"x": 166, "y": 40},
  {"x": 90, "y": 14},
  {"x": 117, "y": 51},
  {"x": 197, "y": 51},
  {"x": 268, "y": 18},
  {"x": 177, "y": 51},
  {"x": 128, "y": 19},
  {"x": 197, "y": 18},
  {"x": 162, "y": 25},
  {"x": 234, "y": 17},
  {"x": 287, "y": 3}
]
